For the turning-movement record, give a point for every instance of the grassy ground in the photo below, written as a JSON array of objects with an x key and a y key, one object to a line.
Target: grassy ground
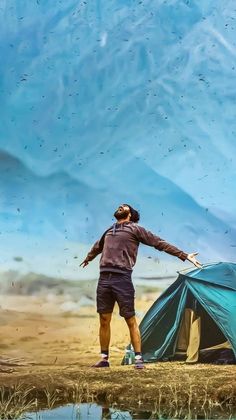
[{"x": 46, "y": 358}]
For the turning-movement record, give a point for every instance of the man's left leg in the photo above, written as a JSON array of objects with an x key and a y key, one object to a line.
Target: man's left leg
[
  {"x": 135, "y": 339},
  {"x": 123, "y": 289}
]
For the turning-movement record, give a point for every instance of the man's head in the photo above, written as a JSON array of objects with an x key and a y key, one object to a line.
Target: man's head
[{"x": 125, "y": 211}]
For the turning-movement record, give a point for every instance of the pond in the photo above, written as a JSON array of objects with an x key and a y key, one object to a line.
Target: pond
[
  {"x": 87, "y": 412},
  {"x": 97, "y": 412}
]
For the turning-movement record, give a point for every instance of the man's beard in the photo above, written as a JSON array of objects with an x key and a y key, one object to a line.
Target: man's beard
[{"x": 121, "y": 214}]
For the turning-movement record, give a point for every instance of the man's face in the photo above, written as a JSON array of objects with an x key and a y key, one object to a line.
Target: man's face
[{"x": 122, "y": 212}]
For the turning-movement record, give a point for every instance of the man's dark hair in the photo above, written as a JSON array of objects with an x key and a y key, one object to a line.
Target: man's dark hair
[{"x": 135, "y": 216}]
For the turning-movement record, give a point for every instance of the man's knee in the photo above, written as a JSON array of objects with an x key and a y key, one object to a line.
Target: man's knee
[
  {"x": 105, "y": 319},
  {"x": 131, "y": 322}
]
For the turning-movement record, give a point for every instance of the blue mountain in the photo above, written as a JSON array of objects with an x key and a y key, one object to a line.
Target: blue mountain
[{"x": 60, "y": 207}]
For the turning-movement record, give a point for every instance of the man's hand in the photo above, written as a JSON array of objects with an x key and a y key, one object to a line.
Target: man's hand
[
  {"x": 84, "y": 263},
  {"x": 192, "y": 259}
]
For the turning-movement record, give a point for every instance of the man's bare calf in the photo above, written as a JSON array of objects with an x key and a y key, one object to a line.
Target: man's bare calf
[
  {"x": 105, "y": 331},
  {"x": 135, "y": 337}
]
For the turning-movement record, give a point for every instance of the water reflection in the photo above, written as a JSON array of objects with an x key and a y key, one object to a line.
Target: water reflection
[
  {"x": 87, "y": 412},
  {"x": 96, "y": 412}
]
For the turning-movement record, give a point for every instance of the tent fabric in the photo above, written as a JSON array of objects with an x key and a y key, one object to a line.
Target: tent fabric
[
  {"x": 184, "y": 332},
  {"x": 220, "y": 303},
  {"x": 169, "y": 310},
  {"x": 224, "y": 345},
  {"x": 223, "y": 274},
  {"x": 212, "y": 290},
  {"x": 194, "y": 341},
  {"x": 188, "y": 341}
]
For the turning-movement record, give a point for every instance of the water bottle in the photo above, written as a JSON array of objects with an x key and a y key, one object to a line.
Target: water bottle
[{"x": 128, "y": 357}]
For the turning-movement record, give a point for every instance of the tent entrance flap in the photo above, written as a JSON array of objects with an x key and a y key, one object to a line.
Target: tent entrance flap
[
  {"x": 200, "y": 339},
  {"x": 188, "y": 341}
]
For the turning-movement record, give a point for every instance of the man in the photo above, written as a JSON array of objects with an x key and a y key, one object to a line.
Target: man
[{"x": 119, "y": 247}]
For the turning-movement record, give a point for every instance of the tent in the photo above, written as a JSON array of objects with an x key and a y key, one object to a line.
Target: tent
[{"x": 195, "y": 318}]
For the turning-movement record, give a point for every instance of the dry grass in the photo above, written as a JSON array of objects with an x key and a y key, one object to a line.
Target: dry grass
[
  {"x": 16, "y": 401},
  {"x": 169, "y": 390}
]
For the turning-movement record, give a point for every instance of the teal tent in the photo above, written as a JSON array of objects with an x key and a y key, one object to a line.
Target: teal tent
[{"x": 195, "y": 318}]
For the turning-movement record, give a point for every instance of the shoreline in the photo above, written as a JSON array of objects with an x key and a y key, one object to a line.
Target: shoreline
[{"x": 168, "y": 388}]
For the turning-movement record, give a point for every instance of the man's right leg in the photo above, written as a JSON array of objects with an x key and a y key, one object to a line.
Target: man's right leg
[
  {"x": 105, "y": 305},
  {"x": 104, "y": 337},
  {"x": 105, "y": 331}
]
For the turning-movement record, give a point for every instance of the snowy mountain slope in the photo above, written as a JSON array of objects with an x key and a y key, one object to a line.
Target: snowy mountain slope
[
  {"x": 107, "y": 102},
  {"x": 58, "y": 206}
]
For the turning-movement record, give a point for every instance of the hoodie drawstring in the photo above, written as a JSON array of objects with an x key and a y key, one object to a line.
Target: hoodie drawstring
[{"x": 114, "y": 229}]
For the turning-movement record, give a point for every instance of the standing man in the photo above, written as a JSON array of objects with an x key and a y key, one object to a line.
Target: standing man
[{"x": 119, "y": 247}]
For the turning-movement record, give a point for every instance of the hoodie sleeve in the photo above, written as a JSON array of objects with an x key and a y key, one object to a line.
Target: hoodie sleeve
[
  {"x": 94, "y": 251},
  {"x": 148, "y": 238}
]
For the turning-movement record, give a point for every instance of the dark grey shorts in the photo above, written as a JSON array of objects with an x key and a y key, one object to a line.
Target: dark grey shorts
[{"x": 115, "y": 287}]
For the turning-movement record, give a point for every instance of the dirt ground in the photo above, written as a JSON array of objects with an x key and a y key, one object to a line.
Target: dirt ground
[
  {"x": 49, "y": 353},
  {"x": 36, "y": 330}
]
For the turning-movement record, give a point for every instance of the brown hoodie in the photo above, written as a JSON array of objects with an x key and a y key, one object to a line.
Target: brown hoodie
[{"x": 119, "y": 247}]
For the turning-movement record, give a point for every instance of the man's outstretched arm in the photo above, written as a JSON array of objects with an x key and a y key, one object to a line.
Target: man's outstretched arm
[
  {"x": 148, "y": 238},
  {"x": 94, "y": 251}
]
